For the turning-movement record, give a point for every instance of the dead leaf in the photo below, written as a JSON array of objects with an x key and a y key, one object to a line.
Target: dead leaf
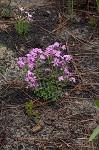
[{"x": 36, "y": 128}]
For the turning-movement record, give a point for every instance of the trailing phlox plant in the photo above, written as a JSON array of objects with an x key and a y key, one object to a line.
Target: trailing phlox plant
[
  {"x": 47, "y": 70},
  {"x": 22, "y": 24}
]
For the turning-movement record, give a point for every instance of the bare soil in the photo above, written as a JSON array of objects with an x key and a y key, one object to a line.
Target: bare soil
[{"x": 67, "y": 123}]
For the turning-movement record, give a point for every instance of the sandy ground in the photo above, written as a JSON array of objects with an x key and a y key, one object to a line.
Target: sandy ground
[{"x": 28, "y": 2}]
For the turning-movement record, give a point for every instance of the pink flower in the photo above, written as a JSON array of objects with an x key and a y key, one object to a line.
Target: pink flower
[
  {"x": 21, "y": 8},
  {"x": 68, "y": 57},
  {"x": 61, "y": 78},
  {"x": 56, "y": 44},
  {"x": 29, "y": 15},
  {"x": 66, "y": 71},
  {"x": 30, "y": 57},
  {"x": 29, "y": 73},
  {"x": 37, "y": 50},
  {"x": 42, "y": 57},
  {"x": 47, "y": 69},
  {"x": 30, "y": 60},
  {"x": 33, "y": 53},
  {"x": 26, "y": 12},
  {"x": 34, "y": 50},
  {"x": 73, "y": 79},
  {"x": 48, "y": 50},
  {"x": 66, "y": 77},
  {"x": 57, "y": 53},
  {"x": 49, "y": 61},
  {"x": 63, "y": 47},
  {"x": 21, "y": 61},
  {"x": 47, "y": 53},
  {"x": 33, "y": 85},
  {"x": 31, "y": 79},
  {"x": 55, "y": 61},
  {"x": 30, "y": 64},
  {"x": 63, "y": 63}
]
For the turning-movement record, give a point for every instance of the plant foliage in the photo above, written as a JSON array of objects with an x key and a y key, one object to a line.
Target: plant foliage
[
  {"x": 96, "y": 130},
  {"x": 47, "y": 71}
]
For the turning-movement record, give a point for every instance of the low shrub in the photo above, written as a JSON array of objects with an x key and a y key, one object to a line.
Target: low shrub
[{"x": 46, "y": 71}]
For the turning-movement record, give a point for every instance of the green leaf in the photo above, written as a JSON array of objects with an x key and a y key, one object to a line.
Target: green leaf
[
  {"x": 36, "y": 116},
  {"x": 94, "y": 134},
  {"x": 97, "y": 2},
  {"x": 29, "y": 107},
  {"x": 26, "y": 105},
  {"x": 31, "y": 104},
  {"x": 2, "y": 70},
  {"x": 97, "y": 103}
]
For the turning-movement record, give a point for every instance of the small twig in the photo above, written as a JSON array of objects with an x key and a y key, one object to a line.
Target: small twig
[
  {"x": 67, "y": 144},
  {"x": 92, "y": 119}
]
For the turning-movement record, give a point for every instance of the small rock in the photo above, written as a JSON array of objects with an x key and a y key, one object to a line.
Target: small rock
[{"x": 2, "y": 52}]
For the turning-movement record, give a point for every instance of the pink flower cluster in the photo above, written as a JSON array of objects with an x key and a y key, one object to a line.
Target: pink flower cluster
[
  {"x": 28, "y": 14},
  {"x": 51, "y": 55},
  {"x": 31, "y": 79}
]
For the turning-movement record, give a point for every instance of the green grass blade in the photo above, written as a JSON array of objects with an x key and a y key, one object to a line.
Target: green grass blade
[
  {"x": 97, "y": 2},
  {"x": 97, "y": 103},
  {"x": 94, "y": 134}
]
